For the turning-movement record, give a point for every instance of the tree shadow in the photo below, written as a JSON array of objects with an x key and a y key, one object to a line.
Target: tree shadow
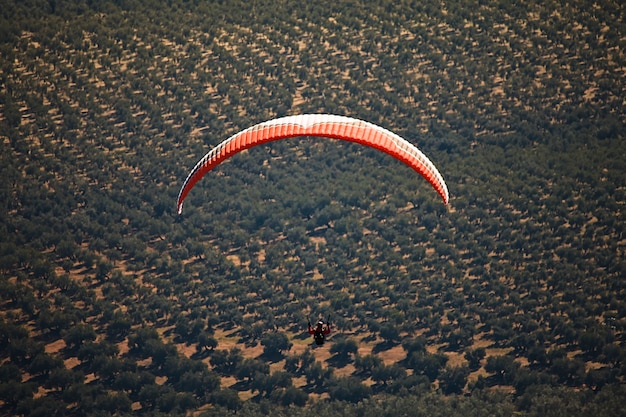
[
  {"x": 202, "y": 354},
  {"x": 50, "y": 336},
  {"x": 243, "y": 385},
  {"x": 369, "y": 338},
  {"x": 298, "y": 330},
  {"x": 272, "y": 357},
  {"x": 302, "y": 336},
  {"x": 383, "y": 346},
  {"x": 339, "y": 361}
]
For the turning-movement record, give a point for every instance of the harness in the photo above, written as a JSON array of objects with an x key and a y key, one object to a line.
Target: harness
[{"x": 319, "y": 337}]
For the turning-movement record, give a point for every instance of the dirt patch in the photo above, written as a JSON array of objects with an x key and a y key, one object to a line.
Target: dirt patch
[
  {"x": 55, "y": 346},
  {"x": 123, "y": 347},
  {"x": 393, "y": 355},
  {"x": 187, "y": 350},
  {"x": 456, "y": 359}
]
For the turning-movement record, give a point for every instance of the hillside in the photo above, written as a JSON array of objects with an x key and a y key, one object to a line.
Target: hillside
[{"x": 510, "y": 299}]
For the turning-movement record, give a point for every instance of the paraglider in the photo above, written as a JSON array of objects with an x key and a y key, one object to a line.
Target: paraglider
[
  {"x": 320, "y": 331},
  {"x": 317, "y": 125}
]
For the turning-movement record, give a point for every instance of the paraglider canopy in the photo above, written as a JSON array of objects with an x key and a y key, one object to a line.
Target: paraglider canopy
[{"x": 317, "y": 125}]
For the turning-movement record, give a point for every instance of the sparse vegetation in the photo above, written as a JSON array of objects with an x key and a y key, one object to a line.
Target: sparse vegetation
[{"x": 510, "y": 300}]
